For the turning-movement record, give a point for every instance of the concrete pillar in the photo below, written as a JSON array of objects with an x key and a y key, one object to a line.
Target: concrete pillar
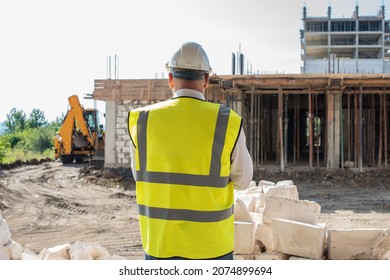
[
  {"x": 110, "y": 158},
  {"x": 333, "y": 128}
]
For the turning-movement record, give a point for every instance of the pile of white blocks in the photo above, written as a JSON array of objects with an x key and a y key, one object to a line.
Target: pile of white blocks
[
  {"x": 10, "y": 250},
  {"x": 272, "y": 223}
]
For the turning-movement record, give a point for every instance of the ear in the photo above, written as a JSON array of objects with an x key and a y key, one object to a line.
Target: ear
[
  {"x": 170, "y": 80},
  {"x": 206, "y": 80}
]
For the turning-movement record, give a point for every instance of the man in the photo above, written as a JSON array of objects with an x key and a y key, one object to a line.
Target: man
[{"x": 188, "y": 155}]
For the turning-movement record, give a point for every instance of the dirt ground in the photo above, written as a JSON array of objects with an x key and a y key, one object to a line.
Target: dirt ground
[{"x": 48, "y": 204}]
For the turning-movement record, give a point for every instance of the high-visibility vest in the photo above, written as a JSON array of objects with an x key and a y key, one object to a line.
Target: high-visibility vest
[{"x": 184, "y": 194}]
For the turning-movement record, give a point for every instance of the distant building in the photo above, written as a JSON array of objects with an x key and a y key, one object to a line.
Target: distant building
[{"x": 356, "y": 45}]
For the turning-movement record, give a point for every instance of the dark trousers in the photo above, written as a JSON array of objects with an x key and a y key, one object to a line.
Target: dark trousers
[{"x": 224, "y": 257}]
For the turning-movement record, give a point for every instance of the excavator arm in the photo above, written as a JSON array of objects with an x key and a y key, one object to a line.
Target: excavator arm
[{"x": 64, "y": 141}]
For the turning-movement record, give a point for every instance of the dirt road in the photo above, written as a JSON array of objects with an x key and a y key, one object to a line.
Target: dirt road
[{"x": 51, "y": 204}]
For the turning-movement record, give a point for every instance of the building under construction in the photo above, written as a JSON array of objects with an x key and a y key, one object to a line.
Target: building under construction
[
  {"x": 359, "y": 44},
  {"x": 329, "y": 119}
]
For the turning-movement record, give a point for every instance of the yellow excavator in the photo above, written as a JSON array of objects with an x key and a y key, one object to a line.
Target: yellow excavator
[{"x": 81, "y": 136}]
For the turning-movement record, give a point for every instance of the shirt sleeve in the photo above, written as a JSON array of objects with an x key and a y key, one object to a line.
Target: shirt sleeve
[
  {"x": 241, "y": 171},
  {"x": 132, "y": 158}
]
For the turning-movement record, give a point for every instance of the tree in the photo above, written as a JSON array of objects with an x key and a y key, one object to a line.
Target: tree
[
  {"x": 16, "y": 120},
  {"x": 37, "y": 119}
]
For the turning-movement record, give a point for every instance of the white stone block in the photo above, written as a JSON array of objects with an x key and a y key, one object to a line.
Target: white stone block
[
  {"x": 87, "y": 251},
  {"x": 29, "y": 255},
  {"x": 298, "y": 239},
  {"x": 283, "y": 191},
  {"x": 241, "y": 212},
  {"x": 250, "y": 202},
  {"x": 244, "y": 238},
  {"x": 353, "y": 244},
  {"x": 339, "y": 223},
  {"x": 243, "y": 257},
  {"x": 264, "y": 235},
  {"x": 381, "y": 246},
  {"x": 60, "y": 252},
  {"x": 284, "y": 183},
  {"x": 15, "y": 250},
  {"x": 113, "y": 257},
  {"x": 263, "y": 183},
  {"x": 290, "y": 209},
  {"x": 4, "y": 254},
  {"x": 5, "y": 234},
  {"x": 271, "y": 255}
]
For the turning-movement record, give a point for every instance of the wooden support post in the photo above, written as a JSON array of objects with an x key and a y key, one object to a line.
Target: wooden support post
[
  {"x": 341, "y": 131},
  {"x": 298, "y": 130},
  {"x": 385, "y": 125},
  {"x": 280, "y": 127},
  {"x": 349, "y": 128},
  {"x": 285, "y": 144},
  {"x": 380, "y": 144},
  {"x": 251, "y": 134},
  {"x": 310, "y": 128},
  {"x": 361, "y": 129},
  {"x": 295, "y": 128},
  {"x": 356, "y": 129}
]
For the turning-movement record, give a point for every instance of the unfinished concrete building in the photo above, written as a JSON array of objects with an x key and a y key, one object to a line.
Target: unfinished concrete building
[
  {"x": 359, "y": 44},
  {"x": 328, "y": 120}
]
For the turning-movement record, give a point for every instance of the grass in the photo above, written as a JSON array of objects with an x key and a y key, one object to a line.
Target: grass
[{"x": 16, "y": 154}]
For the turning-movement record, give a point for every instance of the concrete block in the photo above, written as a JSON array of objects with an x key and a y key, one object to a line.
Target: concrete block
[
  {"x": 15, "y": 250},
  {"x": 5, "y": 234},
  {"x": 29, "y": 255},
  {"x": 271, "y": 255},
  {"x": 282, "y": 191},
  {"x": 257, "y": 218},
  {"x": 381, "y": 246},
  {"x": 112, "y": 258},
  {"x": 263, "y": 183},
  {"x": 60, "y": 252},
  {"x": 250, "y": 201},
  {"x": 284, "y": 183},
  {"x": 4, "y": 254},
  {"x": 353, "y": 244},
  {"x": 339, "y": 223},
  {"x": 298, "y": 239},
  {"x": 244, "y": 238},
  {"x": 87, "y": 251},
  {"x": 264, "y": 235},
  {"x": 291, "y": 209},
  {"x": 241, "y": 212},
  {"x": 243, "y": 257}
]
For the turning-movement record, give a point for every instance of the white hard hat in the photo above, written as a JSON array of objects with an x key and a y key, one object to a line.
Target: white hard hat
[{"x": 190, "y": 56}]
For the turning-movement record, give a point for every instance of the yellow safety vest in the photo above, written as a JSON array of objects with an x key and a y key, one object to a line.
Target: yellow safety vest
[{"x": 184, "y": 194}]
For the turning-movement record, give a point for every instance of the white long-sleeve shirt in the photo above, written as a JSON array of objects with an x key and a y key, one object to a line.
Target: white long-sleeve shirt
[{"x": 241, "y": 171}]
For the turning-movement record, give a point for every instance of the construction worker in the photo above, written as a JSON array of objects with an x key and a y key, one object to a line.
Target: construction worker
[{"x": 188, "y": 155}]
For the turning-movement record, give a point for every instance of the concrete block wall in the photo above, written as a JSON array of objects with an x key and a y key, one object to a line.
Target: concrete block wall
[{"x": 117, "y": 146}]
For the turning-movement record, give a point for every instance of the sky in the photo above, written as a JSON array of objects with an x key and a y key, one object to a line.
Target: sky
[{"x": 51, "y": 49}]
